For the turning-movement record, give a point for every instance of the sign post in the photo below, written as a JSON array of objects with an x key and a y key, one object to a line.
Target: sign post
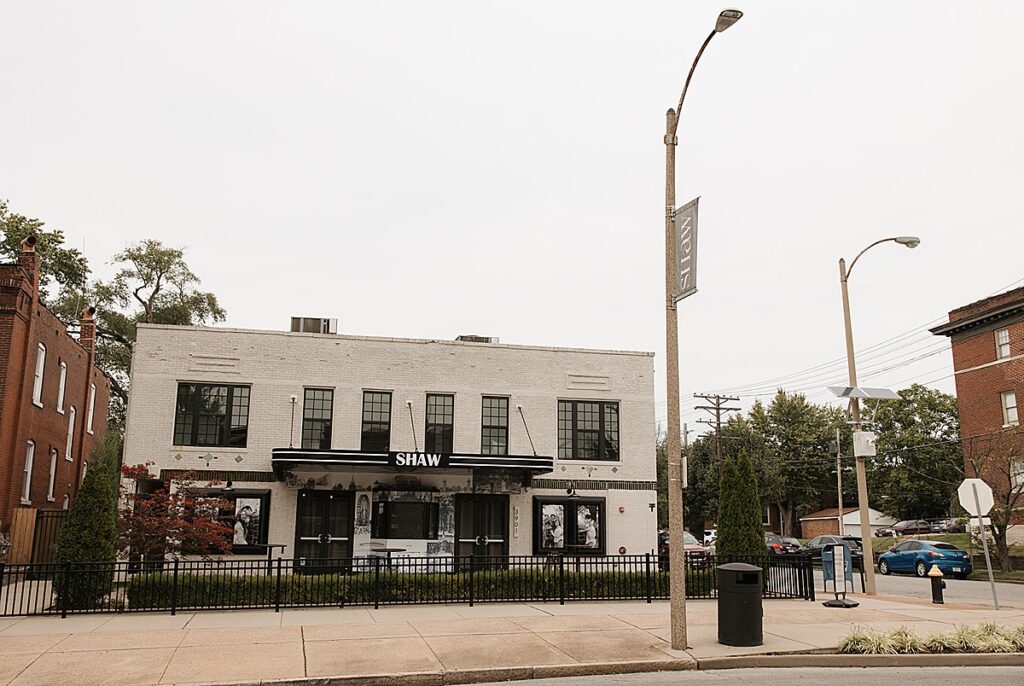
[{"x": 976, "y": 498}]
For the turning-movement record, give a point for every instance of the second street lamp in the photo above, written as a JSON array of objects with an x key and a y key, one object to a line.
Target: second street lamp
[
  {"x": 862, "y": 481},
  {"x": 677, "y": 557}
]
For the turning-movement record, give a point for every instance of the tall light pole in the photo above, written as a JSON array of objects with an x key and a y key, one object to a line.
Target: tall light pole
[
  {"x": 677, "y": 558},
  {"x": 862, "y": 480}
]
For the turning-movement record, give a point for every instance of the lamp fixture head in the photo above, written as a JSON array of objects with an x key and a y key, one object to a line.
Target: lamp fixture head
[
  {"x": 909, "y": 241},
  {"x": 727, "y": 18}
]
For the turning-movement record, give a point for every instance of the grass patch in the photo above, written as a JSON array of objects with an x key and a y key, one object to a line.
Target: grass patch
[{"x": 984, "y": 638}]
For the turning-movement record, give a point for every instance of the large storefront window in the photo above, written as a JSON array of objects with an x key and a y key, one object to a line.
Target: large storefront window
[
  {"x": 440, "y": 423},
  {"x": 211, "y": 415},
  {"x": 376, "y": 420},
  {"x": 494, "y": 426},
  {"x": 571, "y": 526},
  {"x": 413, "y": 520},
  {"x": 588, "y": 430},
  {"x": 317, "y": 408}
]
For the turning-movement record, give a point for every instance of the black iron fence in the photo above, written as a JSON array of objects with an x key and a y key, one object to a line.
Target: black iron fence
[{"x": 170, "y": 586}]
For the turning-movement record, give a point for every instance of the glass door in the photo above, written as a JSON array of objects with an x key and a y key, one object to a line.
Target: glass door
[
  {"x": 481, "y": 526},
  {"x": 323, "y": 530}
]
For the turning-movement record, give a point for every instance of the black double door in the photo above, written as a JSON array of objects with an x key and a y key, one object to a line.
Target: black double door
[
  {"x": 323, "y": 529},
  {"x": 481, "y": 526}
]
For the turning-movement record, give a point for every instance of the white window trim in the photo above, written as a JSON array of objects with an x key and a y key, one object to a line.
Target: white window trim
[
  {"x": 1007, "y": 422},
  {"x": 62, "y": 386},
  {"x": 999, "y": 344},
  {"x": 37, "y": 382},
  {"x": 71, "y": 435},
  {"x": 92, "y": 406},
  {"x": 26, "y": 475},
  {"x": 53, "y": 475}
]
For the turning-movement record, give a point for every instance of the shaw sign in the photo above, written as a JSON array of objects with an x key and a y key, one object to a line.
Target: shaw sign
[{"x": 418, "y": 459}]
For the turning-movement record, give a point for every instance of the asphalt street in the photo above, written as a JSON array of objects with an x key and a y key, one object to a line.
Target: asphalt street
[
  {"x": 957, "y": 590},
  {"x": 843, "y": 676}
]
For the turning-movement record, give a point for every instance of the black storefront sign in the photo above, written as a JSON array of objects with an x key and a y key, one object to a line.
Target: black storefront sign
[{"x": 414, "y": 459}]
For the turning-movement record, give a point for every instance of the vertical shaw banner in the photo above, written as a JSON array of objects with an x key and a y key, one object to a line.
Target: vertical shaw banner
[{"x": 685, "y": 219}]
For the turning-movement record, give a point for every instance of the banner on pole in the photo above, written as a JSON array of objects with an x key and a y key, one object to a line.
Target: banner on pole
[{"x": 685, "y": 220}]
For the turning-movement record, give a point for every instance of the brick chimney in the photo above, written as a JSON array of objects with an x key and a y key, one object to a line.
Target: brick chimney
[
  {"x": 87, "y": 329},
  {"x": 28, "y": 259}
]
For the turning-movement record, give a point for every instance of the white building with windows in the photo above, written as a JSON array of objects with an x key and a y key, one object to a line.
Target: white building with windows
[{"x": 335, "y": 446}]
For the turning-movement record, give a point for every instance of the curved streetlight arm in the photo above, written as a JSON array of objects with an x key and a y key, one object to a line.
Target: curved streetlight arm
[
  {"x": 682, "y": 96},
  {"x": 882, "y": 240}
]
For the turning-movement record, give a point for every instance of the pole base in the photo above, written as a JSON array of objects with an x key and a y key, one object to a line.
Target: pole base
[{"x": 841, "y": 602}]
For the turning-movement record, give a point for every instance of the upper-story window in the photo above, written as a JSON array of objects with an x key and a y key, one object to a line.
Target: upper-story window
[
  {"x": 92, "y": 406},
  {"x": 376, "y": 420},
  {"x": 211, "y": 415},
  {"x": 53, "y": 475},
  {"x": 588, "y": 430},
  {"x": 440, "y": 432},
  {"x": 1002, "y": 343},
  {"x": 317, "y": 409},
  {"x": 37, "y": 385},
  {"x": 71, "y": 435},
  {"x": 1009, "y": 408},
  {"x": 62, "y": 386},
  {"x": 494, "y": 426},
  {"x": 1017, "y": 472}
]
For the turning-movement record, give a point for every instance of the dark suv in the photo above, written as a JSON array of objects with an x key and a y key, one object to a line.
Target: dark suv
[{"x": 815, "y": 545}]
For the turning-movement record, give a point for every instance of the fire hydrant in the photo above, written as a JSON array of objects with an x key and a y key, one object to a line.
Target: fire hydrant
[{"x": 938, "y": 583}]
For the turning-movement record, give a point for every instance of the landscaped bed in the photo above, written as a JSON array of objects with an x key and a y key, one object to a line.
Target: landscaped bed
[{"x": 984, "y": 638}]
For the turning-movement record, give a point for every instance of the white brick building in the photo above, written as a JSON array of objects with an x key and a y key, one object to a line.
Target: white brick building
[{"x": 311, "y": 431}]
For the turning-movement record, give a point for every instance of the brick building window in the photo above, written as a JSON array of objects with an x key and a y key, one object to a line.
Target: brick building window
[
  {"x": 37, "y": 384},
  {"x": 573, "y": 526},
  {"x": 440, "y": 431},
  {"x": 588, "y": 430},
  {"x": 53, "y": 475},
  {"x": 62, "y": 386},
  {"x": 376, "y": 433},
  {"x": 494, "y": 426},
  {"x": 212, "y": 415},
  {"x": 1002, "y": 343},
  {"x": 26, "y": 477},
  {"x": 1017, "y": 473},
  {"x": 71, "y": 434},
  {"x": 1009, "y": 408},
  {"x": 92, "y": 406},
  {"x": 317, "y": 409}
]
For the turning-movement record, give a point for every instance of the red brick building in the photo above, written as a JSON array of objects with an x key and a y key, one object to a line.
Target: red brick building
[
  {"x": 53, "y": 398},
  {"x": 987, "y": 337}
]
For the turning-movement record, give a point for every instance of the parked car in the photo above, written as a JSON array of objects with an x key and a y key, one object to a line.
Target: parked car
[
  {"x": 907, "y": 526},
  {"x": 815, "y": 545},
  {"x": 793, "y": 542},
  {"x": 777, "y": 545},
  {"x": 919, "y": 556},
  {"x": 710, "y": 536},
  {"x": 948, "y": 526},
  {"x": 697, "y": 556}
]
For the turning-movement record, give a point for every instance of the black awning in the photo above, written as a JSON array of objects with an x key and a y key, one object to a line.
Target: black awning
[{"x": 408, "y": 460}]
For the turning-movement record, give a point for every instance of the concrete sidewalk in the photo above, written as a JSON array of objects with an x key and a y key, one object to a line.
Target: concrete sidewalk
[{"x": 530, "y": 639}]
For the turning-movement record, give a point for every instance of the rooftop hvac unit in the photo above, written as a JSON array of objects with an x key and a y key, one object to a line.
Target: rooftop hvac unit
[
  {"x": 473, "y": 338},
  {"x": 314, "y": 325}
]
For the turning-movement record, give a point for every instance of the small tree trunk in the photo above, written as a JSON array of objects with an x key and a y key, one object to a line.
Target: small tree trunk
[{"x": 1002, "y": 549}]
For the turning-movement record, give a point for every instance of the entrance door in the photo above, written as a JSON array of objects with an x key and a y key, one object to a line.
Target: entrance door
[
  {"x": 481, "y": 525},
  {"x": 323, "y": 529}
]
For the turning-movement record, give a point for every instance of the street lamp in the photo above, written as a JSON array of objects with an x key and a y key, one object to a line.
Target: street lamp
[
  {"x": 862, "y": 482},
  {"x": 677, "y": 559}
]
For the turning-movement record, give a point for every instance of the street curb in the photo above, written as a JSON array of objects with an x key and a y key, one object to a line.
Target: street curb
[{"x": 844, "y": 660}]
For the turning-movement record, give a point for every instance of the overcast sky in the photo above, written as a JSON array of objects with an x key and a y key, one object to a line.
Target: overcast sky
[{"x": 428, "y": 169}]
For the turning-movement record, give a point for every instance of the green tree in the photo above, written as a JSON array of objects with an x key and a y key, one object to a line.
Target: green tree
[
  {"x": 730, "y": 516},
  {"x": 740, "y": 531},
  {"x": 919, "y": 462},
  {"x": 86, "y": 545},
  {"x": 63, "y": 270}
]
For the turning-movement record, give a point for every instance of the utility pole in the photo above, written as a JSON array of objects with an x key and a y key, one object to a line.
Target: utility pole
[
  {"x": 717, "y": 407},
  {"x": 839, "y": 482}
]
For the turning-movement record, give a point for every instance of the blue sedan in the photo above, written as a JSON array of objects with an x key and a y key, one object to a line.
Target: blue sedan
[{"x": 919, "y": 556}]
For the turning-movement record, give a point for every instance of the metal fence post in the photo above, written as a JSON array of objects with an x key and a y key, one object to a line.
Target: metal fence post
[
  {"x": 471, "y": 590},
  {"x": 376, "y": 582},
  {"x": 809, "y": 567},
  {"x": 561, "y": 579},
  {"x": 277, "y": 588},
  {"x": 65, "y": 577},
  {"x": 174, "y": 589},
  {"x": 647, "y": 575}
]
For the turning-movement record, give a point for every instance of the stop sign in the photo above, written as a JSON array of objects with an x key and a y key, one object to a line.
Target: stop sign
[{"x": 985, "y": 499}]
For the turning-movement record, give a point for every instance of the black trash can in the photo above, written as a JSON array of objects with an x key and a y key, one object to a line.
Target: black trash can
[{"x": 740, "y": 615}]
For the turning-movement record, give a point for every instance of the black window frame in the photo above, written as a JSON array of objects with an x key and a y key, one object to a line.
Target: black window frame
[
  {"x": 439, "y": 436},
  {"x": 383, "y": 511},
  {"x": 569, "y": 431},
  {"x": 313, "y": 421},
  {"x": 366, "y": 441},
  {"x": 188, "y": 421},
  {"x": 571, "y": 545},
  {"x": 489, "y": 428}
]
